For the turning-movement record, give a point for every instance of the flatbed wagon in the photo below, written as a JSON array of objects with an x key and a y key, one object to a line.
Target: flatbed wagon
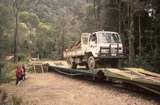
[{"x": 136, "y": 76}]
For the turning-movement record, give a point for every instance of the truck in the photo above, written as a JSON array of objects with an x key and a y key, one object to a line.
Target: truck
[{"x": 102, "y": 48}]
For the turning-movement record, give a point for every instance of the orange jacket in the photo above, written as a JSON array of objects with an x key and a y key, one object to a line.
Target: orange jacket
[{"x": 18, "y": 72}]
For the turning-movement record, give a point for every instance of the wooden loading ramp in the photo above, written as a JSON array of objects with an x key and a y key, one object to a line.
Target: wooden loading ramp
[{"x": 136, "y": 76}]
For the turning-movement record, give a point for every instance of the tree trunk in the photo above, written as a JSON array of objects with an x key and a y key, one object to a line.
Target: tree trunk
[
  {"x": 95, "y": 13},
  {"x": 156, "y": 50},
  {"x": 130, "y": 33},
  {"x": 16, "y": 33},
  {"x": 140, "y": 36},
  {"x": 119, "y": 23}
]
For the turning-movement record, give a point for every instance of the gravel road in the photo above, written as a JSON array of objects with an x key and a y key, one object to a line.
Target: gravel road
[{"x": 55, "y": 89}]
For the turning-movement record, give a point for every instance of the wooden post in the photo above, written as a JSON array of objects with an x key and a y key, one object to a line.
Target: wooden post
[
  {"x": 34, "y": 68},
  {"x": 46, "y": 67},
  {"x": 42, "y": 68}
]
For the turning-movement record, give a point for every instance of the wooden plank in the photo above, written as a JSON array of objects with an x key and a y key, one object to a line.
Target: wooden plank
[
  {"x": 34, "y": 68},
  {"x": 147, "y": 72},
  {"x": 42, "y": 68},
  {"x": 147, "y": 75},
  {"x": 131, "y": 76}
]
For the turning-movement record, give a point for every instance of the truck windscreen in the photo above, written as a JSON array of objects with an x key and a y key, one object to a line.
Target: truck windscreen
[{"x": 110, "y": 38}]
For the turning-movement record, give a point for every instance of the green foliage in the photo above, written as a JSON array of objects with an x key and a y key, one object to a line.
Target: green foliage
[
  {"x": 39, "y": 36},
  {"x": 5, "y": 44},
  {"x": 43, "y": 28},
  {"x": 7, "y": 73},
  {"x": 23, "y": 27},
  {"x": 24, "y": 16},
  {"x": 6, "y": 27},
  {"x": 5, "y": 19},
  {"x": 30, "y": 69},
  {"x": 23, "y": 34},
  {"x": 31, "y": 19},
  {"x": 141, "y": 62},
  {"x": 21, "y": 57},
  {"x": 45, "y": 39}
]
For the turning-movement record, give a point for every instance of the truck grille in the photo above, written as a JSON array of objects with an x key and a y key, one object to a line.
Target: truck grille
[{"x": 113, "y": 51}]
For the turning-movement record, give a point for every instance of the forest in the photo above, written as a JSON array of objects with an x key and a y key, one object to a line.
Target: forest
[{"x": 45, "y": 28}]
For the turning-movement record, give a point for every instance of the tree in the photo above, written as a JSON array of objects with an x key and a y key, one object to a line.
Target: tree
[
  {"x": 44, "y": 40},
  {"x": 31, "y": 19},
  {"x": 23, "y": 38},
  {"x": 108, "y": 14},
  {"x": 131, "y": 32},
  {"x": 6, "y": 25}
]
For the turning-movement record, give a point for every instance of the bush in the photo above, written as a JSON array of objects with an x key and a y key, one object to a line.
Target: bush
[
  {"x": 21, "y": 57},
  {"x": 30, "y": 69},
  {"x": 141, "y": 62},
  {"x": 7, "y": 73}
]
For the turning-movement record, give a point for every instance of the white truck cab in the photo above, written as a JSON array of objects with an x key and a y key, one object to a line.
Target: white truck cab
[
  {"x": 102, "y": 44},
  {"x": 97, "y": 47}
]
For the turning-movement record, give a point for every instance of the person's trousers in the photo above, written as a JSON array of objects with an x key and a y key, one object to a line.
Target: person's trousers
[{"x": 18, "y": 79}]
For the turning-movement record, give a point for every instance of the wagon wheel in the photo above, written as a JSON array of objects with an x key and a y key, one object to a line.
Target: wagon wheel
[
  {"x": 74, "y": 65},
  {"x": 115, "y": 64},
  {"x": 100, "y": 76},
  {"x": 91, "y": 63}
]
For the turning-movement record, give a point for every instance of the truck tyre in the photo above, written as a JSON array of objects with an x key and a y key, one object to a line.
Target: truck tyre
[{"x": 91, "y": 63}]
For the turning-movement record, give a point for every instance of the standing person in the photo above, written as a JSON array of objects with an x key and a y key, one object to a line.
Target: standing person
[
  {"x": 18, "y": 75},
  {"x": 23, "y": 72}
]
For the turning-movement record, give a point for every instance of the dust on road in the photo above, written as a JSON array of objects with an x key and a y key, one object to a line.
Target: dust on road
[{"x": 55, "y": 89}]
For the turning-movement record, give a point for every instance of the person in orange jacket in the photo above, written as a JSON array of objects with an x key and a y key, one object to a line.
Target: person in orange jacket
[{"x": 18, "y": 75}]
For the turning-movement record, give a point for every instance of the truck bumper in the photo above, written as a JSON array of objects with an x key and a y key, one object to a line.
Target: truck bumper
[{"x": 109, "y": 56}]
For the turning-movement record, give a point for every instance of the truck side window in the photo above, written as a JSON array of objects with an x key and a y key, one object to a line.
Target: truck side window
[
  {"x": 85, "y": 40},
  {"x": 93, "y": 38}
]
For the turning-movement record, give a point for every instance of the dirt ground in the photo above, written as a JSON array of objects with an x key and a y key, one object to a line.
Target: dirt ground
[{"x": 55, "y": 89}]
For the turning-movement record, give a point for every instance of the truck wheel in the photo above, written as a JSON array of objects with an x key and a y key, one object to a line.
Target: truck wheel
[{"x": 91, "y": 63}]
